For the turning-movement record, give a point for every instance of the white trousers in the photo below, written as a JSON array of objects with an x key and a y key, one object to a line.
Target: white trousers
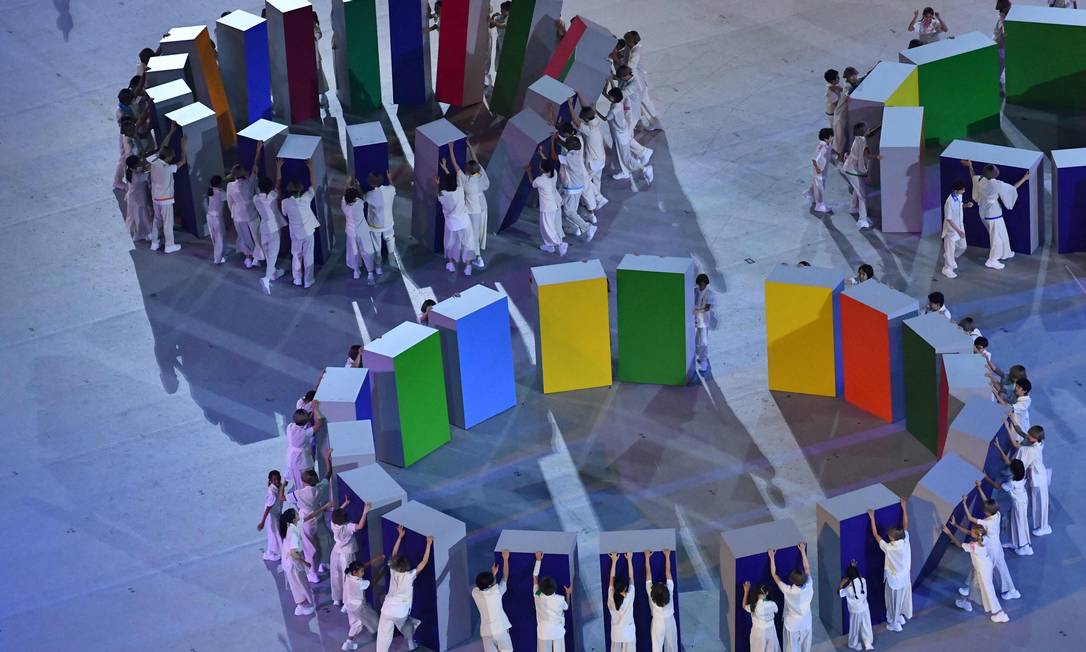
[
  {"x": 386, "y": 626},
  {"x": 311, "y": 542},
  {"x": 701, "y": 343},
  {"x": 817, "y": 191},
  {"x": 798, "y": 640},
  {"x": 361, "y": 617},
  {"x": 999, "y": 569},
  {"x": 630, "y": 153},
  {"x": 983, "y": 588},
  {"x": 254, "y": 237},
  {"x": 595, "y": 173},
  {"x": 1038, "y": 496},
  {"x": 899, "y": 604},
  {"x": 764, "y": 639},
  {"x": 663, "y": 635},
  {"x": 998, "y": 239},
  {"x": 859, "y": 629},
  {"x": 337, "y": 567},
  {"x": 553, "y": 645},
  {"x": 137, "y": 216},
  {"x": 269, "y": 242},
  {"x": 571, "y": 201},
  {"x": 550, "y": 227},
  {"x": 952, "y": 250},
  {"x": 498, "y": 642},
  {"x": 217, "y": 230},
  {"x": 460, "y": 244},
  {"x": 362, "y": 246},
  {"x": 858, "y": 202},
  {"x": 273, "y": 551},
  {"x": 296, "y": 580},
  {"x": 301, "y": 258},
  {"x": 478, "y": 226},
  {"x": 244, "y": 243},
  {"x": 163, "y": 222}
]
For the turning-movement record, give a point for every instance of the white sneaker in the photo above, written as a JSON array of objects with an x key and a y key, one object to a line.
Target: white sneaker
[
  {"x": 962, "y": 603},
  {"x": 547, "y": 248},
  {"x": 379, "y": 271},
  {"x": 313, "y": 578},
  {"x": 1001, "y": 617},
  {"x": 271, "y": 556},
  {"x": 619, "y": 176},
  {"x": 649, "y": 175},
  {"x": 298, "y": 282},
  {"x": 1040, "y": 532},
  {"x": 563, "y": 248},
  {"x": 1011, "y": 595},
  {"x": 994, "y": 264},
  {"x": 601, "y": 202},
  {"x": 591, "y": 233},
  {"x": 349, "y": 645},
  {"x": 467, "y": 269},
  {"x": 949, "y": 273},
  {"x": 265, "y": 285},
  {"x": 307, "y": 286},
  {"x": 218, "y": 262},
  {"x": 703, "y": 366},
  {"x": 154, "y": 245},
  {"x": 646, "y": 155},
  {"x": 450, "y": 267},
  {"x": 370, "y": 280},
  {"x": 964, "y": 591},
  {"x": 577, "y": 232},
  {"x": 303, "y": 610},
  {"x": 1024, "y": 551},
  {"x": 893, "y": 627},
  {"x": 356, "y": 275},
  {"x": 479, "y": 262},
  {"x": 592, "y": 217},
  {"x": 863, "y": 224}
]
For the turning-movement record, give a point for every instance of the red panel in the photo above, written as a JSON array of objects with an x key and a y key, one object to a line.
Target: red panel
[
  {"x": 452, "y": 47},
  {"x": 301, "y": 64},
  {"x": 865, "y": 348},
  {"x": 563, "y": 54}
]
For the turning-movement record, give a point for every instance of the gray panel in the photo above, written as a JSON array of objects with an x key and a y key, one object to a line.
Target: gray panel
[
  {"x": 272, "y": 134},
  {"x": 882, "y": 298},
  {"x": 546, "y": 96},
  {"x": 351, "y": 443},
  {"x": 520, "y": 138},
  {"x": 621, "y": 541},
  {"x": 970, "y": 434},
  {"x": 387, "y": 438},
  {"x": 812, "y": 276},
  {"x": 532, "y": 541},
  {"x": 337, "y": 392},
  {"x": 168, "y": 68},
  {"x": 167, "y": 98},
  {"x": 542, "y": 41},
  {"x": 583, "y": 270},
  {"x": 940, "y": 334},
  {"x": 203, "y": 154},
  {"x": 932, "y": 503},
  {"x": 901, "y": 146},
  {"x": 431, "y": 143},
  {"x": 966, "y": 377}
]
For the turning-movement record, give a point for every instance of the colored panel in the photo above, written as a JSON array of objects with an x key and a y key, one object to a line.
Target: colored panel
[
  {"x": 925, "y": 339},
  {"x": 550, "y": 98},
  {"x": 370, "y": 485},
  {"x": 972, "y": 432},
  {"x": 867, "y": 101},
  {"x": 196, "y": 42},
  {"x": 1025, "y": 220},
  {"x": 203, "y": 159},
  {"x": 517, "y": 147},
  {"x": 463, "y": 51},
  {"x": 344, "y": 394},
  {"x": 530, "y": 39},
  {"x": 559, "y": 563},
  {"x": 431, "y": 145},
  {"x": 440, "y": 589},
  {"x": 637, "y": 542},
  {"x": 1046, "y": 57},
  {"x": 655, "y": 319},
  {"x": 908, "y": 93},
  {"x": 242, "y": 44},
  {"x": 1069, "y": 198},
  {"x": 959, "y": 85},
  {"x": 743, "y": 558},
  {"x": 367, "y": 149},
  {"x": 901, "y": 144},
  {"x": 803, "y": 330},
  {"x": 409, "y": 51},
  {"x": 272, "y": 134},
  {"x": 293, "y": 60},
  {"x": 573, "y": 333},
  {"x": 936, "y": 498},
  {"x": 844, "y": 534},
  {"x": 296, "y": 152},
  {"x": 871, "y": 319},
  {"x": 356, "y": 53},
  {"x": 567, "y": 46}
]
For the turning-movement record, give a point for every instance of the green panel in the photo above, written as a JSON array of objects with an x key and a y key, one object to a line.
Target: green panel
[
  {"x": 363, "y": 64},
  {"x": 652, "y": 327},
  {"x": 420, "y": 392},
  {"x": 960, "y": 94},
  {"x": 1046, "y": 65},
  {"x": 921, "y": 389},
  {"x": 511, "y": 58}
]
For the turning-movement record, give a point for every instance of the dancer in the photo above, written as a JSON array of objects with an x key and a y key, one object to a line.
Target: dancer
[
  {"x": 632, "y": 156},
  {"x": 459, "y": 237},
  {"x": 620, "y": 603},
  {"x": 763, "y": 613},
  {"x": 379, "y": 204},
  {"x": 991, "y": 523},
  {"x": 928, "y": 25},
  {"x": 1030, "y": 450},
  {"x": 576, "y": 187},
  {"x": 816, "y": 192},
  {"x": 313, "y": 498},
  {"x": 396, "y": 609},
  {"x": 1020, "y": 405},
  {"x": 239, "y": 197},
  {"x": 298, "y": 207},
  {"x": 273, "y": 507},
  {"x": 300, "y": 442},
  {"x": 362, "y": 241},
  {"x": 982, "y": 572},
  {"x": 266, "y": 203},
  {"x": 475, "y": 183},
  {"x": 344, "y": 547},
  {"x": 703, "y": 312},
  {"x": 953, "y": 233},
  {"x": 493, "y": 623},
  {"x": 898, "y": 583},
  {"x": 650, "y": 119},
  {"x": 833, "y": 94},
  {"x": 162, "y": 170},
  {"x": 359, "y": 614},
  {"x": 855, "y": 168},
  {"x": 216, "y": 227},
  {"x": 295, "y": 565},
  {"x": 663, "y": 632},
  {"x": 1018, "y": 520},
  {"x": 550, "y": 219},
  {"x": 499, "y": 21},
  {"x": 550, "y": 608},
  {"x": 798, "y": 594},
  {"x": 937, "y": 304},
  {"x": 137, "y": 199},
  {"x": 972, "y": 331},
  {"x": 840, "y": 112},
  {"x": 424, "y": 311},
  {"x": 354, "y": 357},
  {"x": 992, "y": 195},
  {"x": 853, "y": 589},
  {"x": 589, "y": 127}
]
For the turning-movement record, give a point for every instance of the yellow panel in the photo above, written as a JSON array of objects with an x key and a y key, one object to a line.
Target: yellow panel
[
  {"x": 800, "y": 339},
  {"x": 574, "y": 335},
  {"x": 908, "y": 94}
]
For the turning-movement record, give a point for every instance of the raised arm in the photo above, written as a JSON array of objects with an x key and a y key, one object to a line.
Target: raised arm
[
  {"x": 320, "y": 510},
  {"x": 648, "y": 566},
  {"x": 279, "y": 175},
  {"x": 1025, "y": 178},
  {"x": 317, "y": 416},
  {"x": 629, "y": 567},
  {"x": 803, "y": 555},
  {"x": 256, "y": 157},
  {"x": 574, "y": 118},
  {"x": 904, "y": 514},
  {"x": 968, "y": 512},
  {"x": 362, "y": 519},
  {"x": 1006, "y": 459},
  {"x": 942, "y": 23},
  {"x": 950, "y": 535},
  {"x": 569, "y": 596},
  {"x": 874, "y": 528},
  {"x": 425, "y": 555},
  {"x": 667, "y": 564},
  {"x": 328, "y": 464},
  {"x": 956, "y": 526},
  {"x": 746, "y": 594},
  {"x": 773, "y": 566},
  {"x": 452, "y": 157},
  {"x": 185, "y": 152},
  {"x": 505, "y": 565},
  {"x": 912, "y": 21},
  {"x": 535, "y": 571},
  {"x": 969, "y": 164},
  {"x": 399, "y": 540},
  {"x": 991, "y": 481},
  {"x": 611, "y": 581}
]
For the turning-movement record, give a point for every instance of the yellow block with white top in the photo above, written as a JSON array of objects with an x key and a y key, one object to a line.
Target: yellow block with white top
[{"x": 573, "y": 332}]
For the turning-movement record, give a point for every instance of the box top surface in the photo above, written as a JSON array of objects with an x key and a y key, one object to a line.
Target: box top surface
[
  {"x": 530, "y": 541},
  {"x": 341, "y": 384},
  {"x": 366, "y": 133},
  {"x": 582, "y": 270},
  {"x": 182, "y": 34},
  {"x": 427, "y": 521},
  {"x": 398, "y": 340},
  {"x": 938, "y": 332},
  {"x": 1046, "y": 15},
  {"x": 240, "y": 19},
  {"x": 532, "y": 124},
  {"x": 470, "y": 300},
  {"x": 440, "y": 132},
  {"x": 349, "y": 438},
  {"x": 373, "y": 484},
  {"x": 980, "y": 417},
  {"x": 552, "y": 89},
  {"x": 947, "y": 48},
  {"x": 966, "y": 371},
  {"x": 637, "y": 540},
  {"x": 883, "y": 81},
  {"x": 167, "y": 62},
  {"x": 857, "y": 502},
  {"x": 995, "y": 154},
  {"x": 648, "y": 263},
  {"x": 812, "y": 276},
  {"x": 754, "y": 539},
  {"x": 882, "y": 298},
  {"x": 262, "y": 130},
  {"x": 299, "y": 147},
  {"x": 169, "y": 90},
  {"x": 947, "y": 477},
  {"x": 190, "y": 114},
  {"x": 1069, "y": 158},
  {"x": 283, "y": 6},
  {"x": 902, "y": 126}
]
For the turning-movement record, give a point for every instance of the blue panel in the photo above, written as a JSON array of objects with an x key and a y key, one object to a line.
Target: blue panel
[
  {"x": 858, "y": 543},
  {"x": 424, "y": 604},
  {"x": 363, "y": 408},
  {"x": 361, "y": 537},
  {"x": 1071, "y": 209},
  {"x": 367, "y": 159},
  {"x": 257, "y": 73},
  {"x": 642, "y": 610},
  {"x": 296, "y": 170},
  {"x": 518, "y": 601},
  {"x": 487, "y": 379},
  {"x": 755, "y": 569},
  {"x": 524, "y": 191},
  {"x": 407, "y": 51}
]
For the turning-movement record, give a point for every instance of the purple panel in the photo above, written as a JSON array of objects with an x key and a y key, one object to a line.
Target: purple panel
[
  {"x": 424, "y": 604},
  {"x": 409, "y": 51},
  {"x": 936, "y": 555},
  {"x": 367, "y": 159},
  {"x": 257, "y": 74},
  {"x": 857, "y": 543},
  {"x": 642, "y": 610},
  {"x": 755, "y": 569},
  {"x": 1071, "y": 210},
  {"x": 518, "y": 602},
  {"x": 1017, "y": 218}
]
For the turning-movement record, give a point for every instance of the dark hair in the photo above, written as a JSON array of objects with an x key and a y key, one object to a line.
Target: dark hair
[
  {"x": 852, "y": 573},
  {"x": 376, "y": 178},
  {"x": 1018, "y": 469},
  {"x": 567, "y": 129},
  {"x": 265, "y": 185},
  {"x": 850, "y": 71},
  {"x": 615, "y": 95},
  {"x": 937, "y": 298},
  {"x": 867, "y": 270},
  {"x": 895, "y": 533},
  {"x": 659, "y": 594},
  {"x": 859, "y": 128},
  {"x": 1037, "y": 432},
  {"x": 701, "y": 278},
  {"x": 125, "y": 95},
  {"x": 285, "y": 519},
  {"x": 274, "y": 473},
  {"x": 310, "y": 395},
  {"x": 572, "y": 143},
  {"x": 507, "y": 5},
  {"x": 797, "y": 577},
  {"x": 352, "y": 352},
  {"x": 824, "y": 133},
  {"x": 759, "y": 591},
  {"x": 134, "y": 81},
  {"x": 958, "y": 185},
  {"x": 339, "y": 516},
  {"x": 991, "y": 507},
  {"x": 215, "y": 182},
  {"x": 310, "y": 477},
  {"x": 588, "y": 112},
  {"x": 448, "y": 182},
  {"x": 631, "y": 37},
  {"x": 473, "y": 167},
  {"x": 484, "y": 580},
  {"x": 426, "y": 305},
  {"x": 301, "y": 417},
  {"x": 166, "y": 154},
  {"x": 353, "y": 567},
  {"x": 546, "y": 166},
  {"x": 623, "y": 70},
  {"x": 966, "y": 324},
  {"x": 927, "y": 10},
  {"x": 830, "y": 75},
  {"x": 399, "y": 564},
  {"x": 914, "y": 43},
  {"x": 350, "y": 195},
  {"x": 132, "y": 161},
  {"x": 146, "y": 54},
  {"x": 981, "y": 342},
  {"x": 991, "y": 171},
  {"x": 803, "y": 263},
  {"x": 1016, "y": 371},
  {"x": 1024, "y": 383},
  {"x": 547, "y": 586}
]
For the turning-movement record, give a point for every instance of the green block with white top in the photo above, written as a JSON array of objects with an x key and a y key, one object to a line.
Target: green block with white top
[
  {"x": 1046, "y": 57},
  {"x": 655, "y": 319}
]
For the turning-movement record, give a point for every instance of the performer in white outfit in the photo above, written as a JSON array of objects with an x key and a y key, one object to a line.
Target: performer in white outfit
[
  {"x": 1018, "y": 519},
  {"x": 266, "y": 203},
  {"x": 897, "y": 580},
  {"x": 137, "y": 199},
  {"x": 650, "y": 119},
  {"x": 163, "y": 168},
  {"x": 763, "y": 614},
  {"x": 854, "y": 590},
  {"x": 929, "y": 25},
  {"x": 313, "y": 498},
  {"x": 632, "y": 156},
  {"x": 833, "y": 95},
  {"x": 273, "y": 508},
  {"x": 840, "y": 112},
  {"x": 991, "y": 523},
  {"x": 989, "y": 193},
  {"x": 298, "y": 208},
  {"x": 1030, "y": 450},
  {"x": 620, "y": 604},
  {"x": 363, "y": 243},
  {"x": 475, "y": 183},
  {"x": 816, "y": 192},
  {"x": 379, "y": 205},
  {"x": 396, "y": 609},
  {"x": 216, "y": 224},
  {"x": 662, "y": 630},
  {"x": 300, "y": 442},
  {"x": 590, "y": 127},
  {"x": 575, "y": 188},
  {"x": 855, "y": 170},
  {"x": 344, "y": 548},
  {"x": 359, "y": 614},
  {"x": 459, "y": 237},
  {"x": 550, "y": 216},
  {"x": 798, "y": 593},
  {"x": 953, "y": 232},
  {"x": 493, "y": 623},
  {"x": 982, "y": 573},
  {"x": 294, "y": 563},
  {"x": 550, "y": 611},
  {"x": 239, "y": 197},
  {"x": 703, "y": 312}
]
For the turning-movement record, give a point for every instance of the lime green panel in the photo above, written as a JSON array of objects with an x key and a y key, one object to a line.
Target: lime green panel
[
  {"x": 960, "y": 94},
  {"x": 1046, "y": 65},
  {"x": 652, "y": 327},
  {"x": 420, "y": 394}
]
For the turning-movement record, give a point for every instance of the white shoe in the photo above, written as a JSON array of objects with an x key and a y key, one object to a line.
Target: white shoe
[
  {"x": 994, "y": 264},
  {"x": 479, "y": 262},
  {"x": 1008, "y": 256},
  {"x": 961, "y": 603},
  {"x": 964, "y": 591},
  {"x": 313, "y": 578},
  {"x": 547, "y": 248},
  {"x": 265, "y": 285},
  {"x": 703, "y": 366},
  {"x": 248, "y": 263},
  {"x": 900, "y": 620},
  {"x": 619, "y": 176},
  {"x": 949, "y": 273},
  {"x": 1008, "y": 544},
  {"x": 356, "y": 275},
  {"x": 349, "y": 645},
  {"x": 1024, "y": 551},
  {"x": 1001, "y": 617},
  {"x": 370, "y": 280},
  {"x": 863, "y": 224},
  {"x": 646, "y": 155},
  {"x": 218, "y": 262},
  {"x": 378, "y": 271},
  {"x": 174, "y": 248},
  {"x": 271, "y": 557},
  {"x": 303, "y": 610},
  {"x": 601, "y": 202},
  {"x": 647, "y": 170},
  {"x": 577, "y": 233},
  {"x": 591, "y": 233},
  {"x": 592, "y": 217},
  {"x": 563, "y": 248},
  {"x": 298, "y": 282},
  {"x": 1011, "y": 595},
  {"x": 467, "y": 269},
  {"x": 893, "y": 627},
  {"x": 1040, "y": 532},
  {"x": 450, "y": 267},
  {"x": 154, "y": 245},
  {"x": 307, "y": 286}
]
